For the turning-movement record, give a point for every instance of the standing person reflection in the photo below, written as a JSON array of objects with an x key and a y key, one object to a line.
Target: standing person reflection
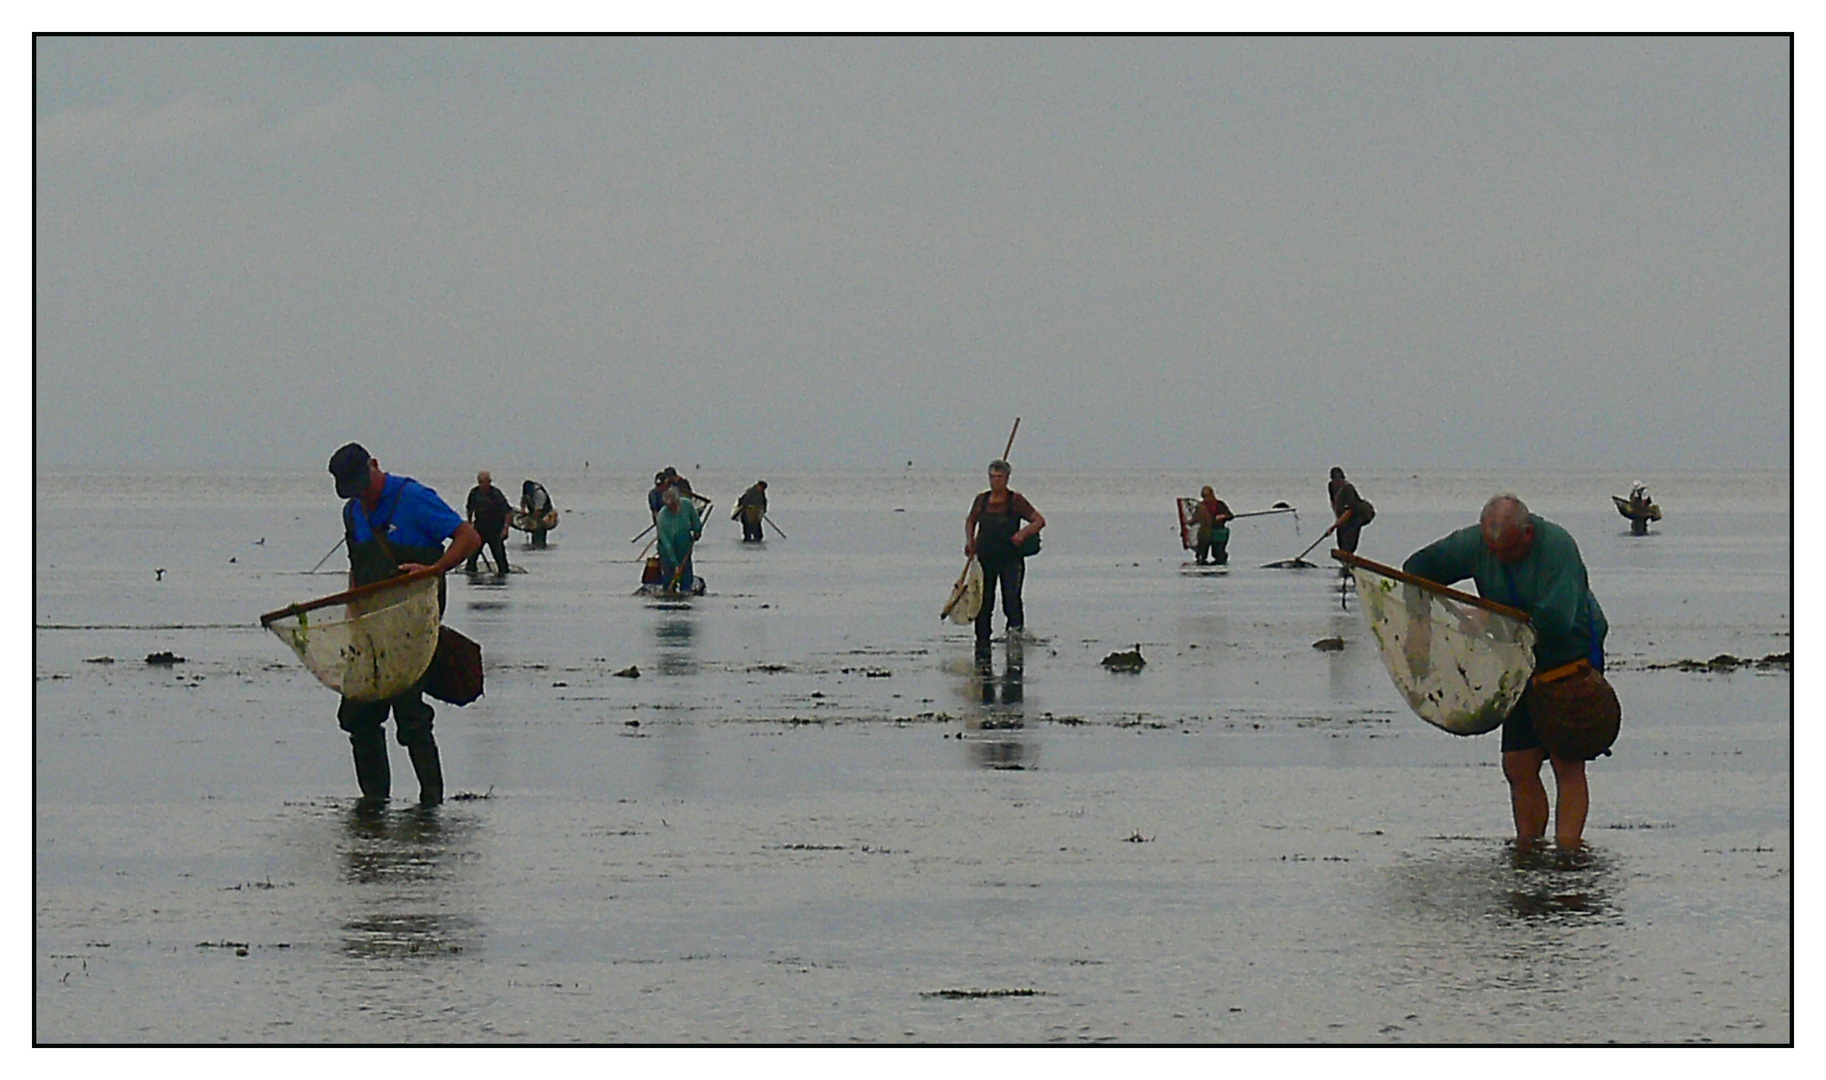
[{"x": 997, "y": 743}]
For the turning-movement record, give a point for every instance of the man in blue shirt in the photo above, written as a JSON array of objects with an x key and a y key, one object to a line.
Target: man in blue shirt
[
  {"x": 394, "y": 525},
  {"x": 1527, "y": 562}
]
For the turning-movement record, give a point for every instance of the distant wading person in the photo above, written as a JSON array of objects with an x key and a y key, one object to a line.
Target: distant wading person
[
  {"x": 1213, "y": 537},
  {"x": 394, "y": 525},
  {"x": 1000, "y": 522},
  {"x": 656, "y": 497},
  {"x": 1527, "y": 562},
  {"x": 750, "y": 509},
  {"x": 488, "y": 511},
  {"x": 536, "y": 504},
  {"x": 1351, "y": 511}
]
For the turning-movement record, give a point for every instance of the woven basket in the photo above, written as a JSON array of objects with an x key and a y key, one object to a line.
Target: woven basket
[{"x": 1576, "y": 715}]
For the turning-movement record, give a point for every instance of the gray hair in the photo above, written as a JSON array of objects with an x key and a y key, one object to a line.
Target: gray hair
[
  {"x": 998, "y": 465},
  {"x": 1503, "y": 515}
]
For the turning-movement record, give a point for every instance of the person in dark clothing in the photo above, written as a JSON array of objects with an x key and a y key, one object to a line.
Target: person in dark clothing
[
  {"x": 1351, "y": 510},
  {"x": 750, "y": 509},
  {"x": 656, "y": 498},
  {"x": 1000, "y": 523},
  {"x": 394, "y": 525},
  {"x": 488, "y": 510},
  {"x": 536, "y": 507}
]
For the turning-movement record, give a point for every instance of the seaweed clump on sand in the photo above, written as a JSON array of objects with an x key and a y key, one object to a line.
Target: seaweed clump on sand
[
  {"x": 1727, "y": 662},
  {"x": 1125, "y": 661},
  {"x": 164, "y": 658}
]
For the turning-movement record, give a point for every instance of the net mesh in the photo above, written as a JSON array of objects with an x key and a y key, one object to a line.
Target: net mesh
[
  {"x": 371, "y": 649},
  {"x": 1188, "y": 523},
  {"x": 1461, "y": 667},
  {"x": 967, "y": 596}
]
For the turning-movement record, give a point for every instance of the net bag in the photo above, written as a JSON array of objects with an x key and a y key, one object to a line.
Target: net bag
[
  {"x": 1188, "y": 526},
  {"x": 373, "y": 645},
  {"x": 966, "y": 596},
  {"x": 1461, "y": 667}
]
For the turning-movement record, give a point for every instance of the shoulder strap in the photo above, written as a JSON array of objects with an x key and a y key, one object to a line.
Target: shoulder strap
[{"x": 376, "y": 532}]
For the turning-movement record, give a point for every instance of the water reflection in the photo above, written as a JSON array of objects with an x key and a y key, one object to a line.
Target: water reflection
[
  {"x": 1552, "y": 883},
  {"x": 997, "y": 719},
  {"x": 401, "y": 868},
  {"x": 1536, "y": 885},
  {"x": 1340, "y": 667},
  {"x": 675, "y": 637}
]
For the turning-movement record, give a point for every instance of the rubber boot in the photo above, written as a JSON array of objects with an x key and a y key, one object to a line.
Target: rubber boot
[
  {"x": 371, "y": 769},
  {"x": 430, "y": 771}
]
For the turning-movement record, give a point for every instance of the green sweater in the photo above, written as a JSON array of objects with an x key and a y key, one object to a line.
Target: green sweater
[
  {"x": 1549, "y": 583},
  {"x": 677, "y": 532}
]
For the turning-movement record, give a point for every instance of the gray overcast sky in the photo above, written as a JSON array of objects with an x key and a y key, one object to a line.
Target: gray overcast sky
[{"x": 774, "y": 253}]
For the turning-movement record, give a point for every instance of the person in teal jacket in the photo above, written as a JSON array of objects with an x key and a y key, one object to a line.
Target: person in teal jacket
[
  {"x": 679, "y": 528},
  {"x": 1527, "y": 562}
]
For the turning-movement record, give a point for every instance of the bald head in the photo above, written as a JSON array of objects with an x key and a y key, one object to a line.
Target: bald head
[{"x": 1508, "y": 532}]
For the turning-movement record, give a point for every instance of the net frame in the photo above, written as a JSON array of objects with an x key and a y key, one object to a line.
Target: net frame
[{"x": 370, "y": 643}]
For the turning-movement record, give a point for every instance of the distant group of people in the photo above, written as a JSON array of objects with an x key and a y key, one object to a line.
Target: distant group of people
[
  {"x": 678, "y": 524},
  {"x": 393, "y": 524},
  {"x": 489, "y": 511}
]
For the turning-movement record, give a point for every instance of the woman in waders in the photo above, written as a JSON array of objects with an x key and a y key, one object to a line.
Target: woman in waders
[{"x": 1002, "y": 529}]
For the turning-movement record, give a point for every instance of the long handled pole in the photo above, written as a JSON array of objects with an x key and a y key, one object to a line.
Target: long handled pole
[
  {"x": 1010, "y": 446},
  {"x": 327, "y": 554},
  {"x": 777, "y": 528},
  {"x": 636, "y": 537},
  {"x": 1259, "y": 513},
  {"x": 1349, "y": 559},
  {"x": 1302, "y": 555},
  {"x": 347, "y": 596}
]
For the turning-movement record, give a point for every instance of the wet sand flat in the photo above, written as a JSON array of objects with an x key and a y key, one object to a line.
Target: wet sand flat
[{"x": 815, "y": 817}]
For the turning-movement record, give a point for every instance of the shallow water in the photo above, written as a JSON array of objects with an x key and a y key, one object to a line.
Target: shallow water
[{"x": 814, "y": 818}]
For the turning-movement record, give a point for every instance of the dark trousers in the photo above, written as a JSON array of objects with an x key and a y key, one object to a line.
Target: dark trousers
[
  {"x": 497, "y": 546},
  {"x": 412, "y": 718},
  {"x": 1010, "y": 574},
  {"x": 751, "y": 524},
  {"x": 1214, "y": 544},
  {"x": 685, "y": 573}
]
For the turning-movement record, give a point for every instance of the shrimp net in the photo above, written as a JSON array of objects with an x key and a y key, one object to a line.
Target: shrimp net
[
  {"x": 370, "y": 649},
  {"x": 966, "y": 596},
  {"x": 1461, "y": 667}
]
